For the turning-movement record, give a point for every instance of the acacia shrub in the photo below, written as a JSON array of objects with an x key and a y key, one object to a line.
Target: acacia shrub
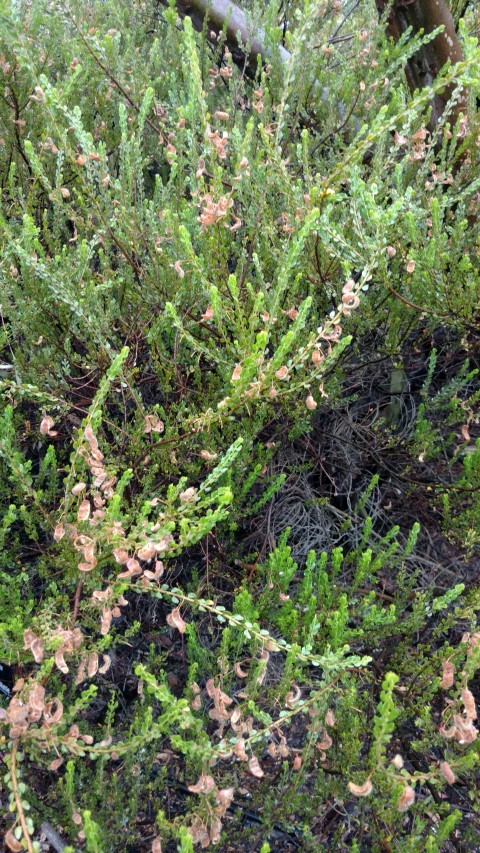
[{"x": 188, "y": 258}]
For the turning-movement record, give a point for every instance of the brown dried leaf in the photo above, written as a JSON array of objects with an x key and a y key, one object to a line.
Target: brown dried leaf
[
  {"x": 157, "y": 845},
  {"x": 56, "y": 764}
]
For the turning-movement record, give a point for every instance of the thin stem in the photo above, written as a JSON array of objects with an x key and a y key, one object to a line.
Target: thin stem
[{"x": 18, "y": 802}]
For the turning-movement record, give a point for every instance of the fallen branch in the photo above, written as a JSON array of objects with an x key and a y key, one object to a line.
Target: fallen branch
[
  {"x": 245, "y": 45},
  {"x": 421, "y": 70}
]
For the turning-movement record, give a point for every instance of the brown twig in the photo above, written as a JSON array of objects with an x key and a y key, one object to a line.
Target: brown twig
[
  {"x": 18, "y": 801},
  {"x": 76, "y": 601}
]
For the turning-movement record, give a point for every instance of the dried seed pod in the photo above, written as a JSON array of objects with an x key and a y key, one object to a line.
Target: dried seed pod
[
  {"x": 448, "y": 673},
  {"x": 175, "y": 620},
  {"x": 361, "y": 790},
  {"x": 205, "y": 785},
  {"x": 254, "y": 767},
  {"x": 407, "y": 799},
  {"x": 78, "y": 488},
  {"x": 147, "y": 551},
  {"x": 447, "y": 772},
  {"x": 469, "y": 702},
  {"x": 46, "y": 426}
]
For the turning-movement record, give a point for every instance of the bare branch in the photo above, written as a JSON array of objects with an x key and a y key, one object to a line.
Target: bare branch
[
  {"x": 423, "y": 68},
  {"x": 245, "y": 44}
]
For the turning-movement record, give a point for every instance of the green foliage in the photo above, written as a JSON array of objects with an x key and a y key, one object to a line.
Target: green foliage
[{"x": 199, "y": 269}]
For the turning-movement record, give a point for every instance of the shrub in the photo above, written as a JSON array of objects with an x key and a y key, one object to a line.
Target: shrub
[{"x": 203, "y": 272}]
